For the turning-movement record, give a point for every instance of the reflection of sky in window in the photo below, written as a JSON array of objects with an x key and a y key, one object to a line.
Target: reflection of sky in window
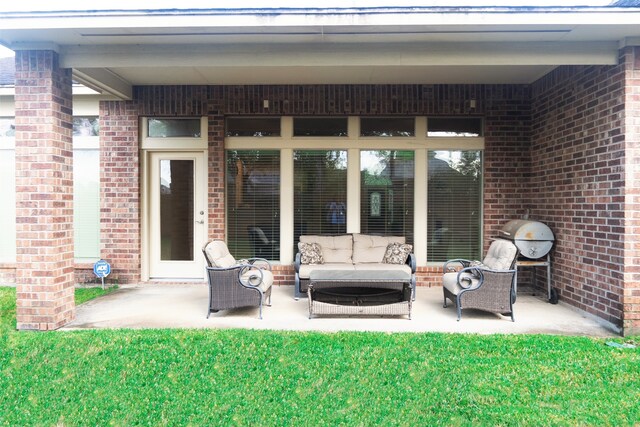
[
  {"x": 370, "y": 162},
  {"x": 165, "y": 172},
  {"x": 449, "y": 156}
]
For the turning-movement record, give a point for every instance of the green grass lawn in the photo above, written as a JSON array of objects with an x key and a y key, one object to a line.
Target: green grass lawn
[{"x": 247, "y": 377}]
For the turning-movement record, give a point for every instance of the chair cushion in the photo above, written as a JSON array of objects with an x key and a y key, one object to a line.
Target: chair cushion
[
  {"x": 450, "y": 281},
  {"x": 305, "y": 270},
  {"x": 310, "y": 253},
  {"x": 369, "y": 249},
  {"x": 334, "y": 248},
  {"x": 267, "y": 278},
  {"x": 219, "y": 255},
  {"x": 397, "y": 253},
  {"x": 383, "y": 267},
  {"x": 500, "y": 255}
]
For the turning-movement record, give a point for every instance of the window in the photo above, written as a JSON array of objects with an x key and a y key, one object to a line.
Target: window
[
  {"x": 320, "y": 192},
  {"x": 313, "y": 126},
  {"x": 454, "y": 127},
  {"x": 253, "y": 203},
  {"x": 86, "y": 203},
  {"x": 7, "y": 127},
  {"x": 7, "y": 189},
  {"x": 86, "y": 187},
  {"x": 386, "y": 193},
  {"x": 8, "y": 211},
  {"x": 387, "y": 178},
  {"x": 258, "y": 126},
  {"x": 382, "y": 126},
  {"x": 454, "y": 200},
  {"x": 85, "y": 126},
  {"x": 173, "y": 128}
]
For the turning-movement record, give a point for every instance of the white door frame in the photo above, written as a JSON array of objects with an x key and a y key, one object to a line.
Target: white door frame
[{"x": 153, "y": 267}]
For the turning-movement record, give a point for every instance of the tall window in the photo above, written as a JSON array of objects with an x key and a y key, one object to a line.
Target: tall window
[
  {"x": 320, "y": 192},
  {"x": 253, "y": 203},
  {"x": 86, "y": 187},
  {"x": 454, "y": 220},
  {"x": 386, "y": 193},
  {"x": 7, "y": 189}
]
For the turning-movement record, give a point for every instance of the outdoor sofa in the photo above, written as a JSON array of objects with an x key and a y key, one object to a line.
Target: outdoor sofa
[{"x": 352, "y": 253}]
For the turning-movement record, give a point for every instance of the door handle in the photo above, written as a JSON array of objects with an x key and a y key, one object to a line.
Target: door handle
[{"x": 200, "y": 222}]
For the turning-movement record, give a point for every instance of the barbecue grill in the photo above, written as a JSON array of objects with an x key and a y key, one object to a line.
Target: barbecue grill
[{"x": 534, "y": 240}]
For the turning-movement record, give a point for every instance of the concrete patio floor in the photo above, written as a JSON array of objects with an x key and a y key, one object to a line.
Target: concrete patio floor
[{"x": 185, "y": 306}]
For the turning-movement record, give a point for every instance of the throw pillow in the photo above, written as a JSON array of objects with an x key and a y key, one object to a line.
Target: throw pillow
[
  {"x": 397, "y": 253},
  {"x": 310, "y": 253}
]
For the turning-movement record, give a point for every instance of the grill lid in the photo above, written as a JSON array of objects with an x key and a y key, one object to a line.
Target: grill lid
[
  {"x": 525, "y": 230},
  {"x": 533, "y": 239}
]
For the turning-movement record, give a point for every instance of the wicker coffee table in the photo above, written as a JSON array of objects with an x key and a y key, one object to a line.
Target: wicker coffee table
[{"x": 359, "y": 293}]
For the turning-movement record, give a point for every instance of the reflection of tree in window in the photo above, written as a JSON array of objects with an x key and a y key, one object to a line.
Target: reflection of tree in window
[
  {"x": 454, "y": 202},
  {"x": 320, "y": 188},
  {"x": 253, "y": 202},
  {"x": 387, "y": 185}
]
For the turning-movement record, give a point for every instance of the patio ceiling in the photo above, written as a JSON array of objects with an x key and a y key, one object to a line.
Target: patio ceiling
[{"x": 111, "y": 51}]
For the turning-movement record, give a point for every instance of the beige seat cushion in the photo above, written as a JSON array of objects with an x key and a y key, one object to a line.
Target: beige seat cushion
[
  {"x": 500, "y": 255},
  {"x": 383, "y": 267},
  {"x": 267, "y": 278},
  {"x": 370, "y": 249},
  {"x": 449, "y": 281},
  {"x": 305, "y": 270},
  {"x": 335, "y": 249},
  {"x": 219, "y": 255}
]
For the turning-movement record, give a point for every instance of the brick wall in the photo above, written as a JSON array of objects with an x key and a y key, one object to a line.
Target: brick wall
[
  {"x": 506, "y": 110},
  {"x": 577, "y": 182},
  {"x": 44, "y": 196},
  {"x": 120, "y": 190}
]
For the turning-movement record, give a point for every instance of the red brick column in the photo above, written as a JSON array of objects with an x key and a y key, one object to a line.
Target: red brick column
[
  {"x": 120, "y": 190},
  {"x": 631, "y": 291},
  {"x": 44, "y": 192}
]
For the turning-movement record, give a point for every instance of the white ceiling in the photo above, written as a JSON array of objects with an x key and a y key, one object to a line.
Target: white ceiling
[{"x": 113, "y": 51}]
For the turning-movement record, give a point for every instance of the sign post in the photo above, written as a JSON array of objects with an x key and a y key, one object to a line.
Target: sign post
[{"x": 102, "y": 269}]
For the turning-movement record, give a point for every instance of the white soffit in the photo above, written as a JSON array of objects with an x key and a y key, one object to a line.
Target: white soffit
[{"x": 112, "y": 50}]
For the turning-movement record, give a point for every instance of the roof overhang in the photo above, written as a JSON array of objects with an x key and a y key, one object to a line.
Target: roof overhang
[{"x": 113, "y": 50}]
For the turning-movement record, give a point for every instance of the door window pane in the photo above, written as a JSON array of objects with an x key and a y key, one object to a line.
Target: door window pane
[
  {"x": 386, "y": 191},
  {"x": 253, "y": 204},
  {"x": 320, "y": 188},
  {"x": 176, "y": 210},
  {"x": 454, "y": 220}
]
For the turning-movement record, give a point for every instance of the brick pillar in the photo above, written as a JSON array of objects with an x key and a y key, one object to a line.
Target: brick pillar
[
  {"x": 120, "y": 214},
  {"x": 631, "y": 291},
  {"x": 44, "y": 192}
]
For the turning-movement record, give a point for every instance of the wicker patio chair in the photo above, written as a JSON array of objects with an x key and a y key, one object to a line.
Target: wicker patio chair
[
  {"x": 232, "y": 284},
  {"x": 486, "y": 285}
]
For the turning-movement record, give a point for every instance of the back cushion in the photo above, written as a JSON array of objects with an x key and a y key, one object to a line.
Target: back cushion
[
  {"x": 334, "y": 248},
  {"x": 219, "y": 255},
  {"x": 368, "y": 249},
  {"x": 500, "y": 255}
]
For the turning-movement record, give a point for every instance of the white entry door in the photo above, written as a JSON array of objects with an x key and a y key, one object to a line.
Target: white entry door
[{"x": 177, "y": 215}]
